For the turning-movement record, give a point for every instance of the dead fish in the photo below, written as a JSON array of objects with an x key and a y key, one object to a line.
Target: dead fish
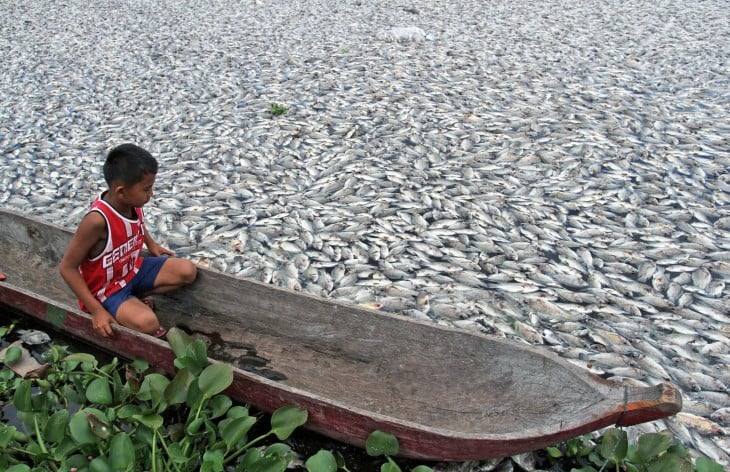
[
  {"x": 703, "y": 425},
  {"x": 721, "y": 416},
  {"x": 33, "y": 337}
]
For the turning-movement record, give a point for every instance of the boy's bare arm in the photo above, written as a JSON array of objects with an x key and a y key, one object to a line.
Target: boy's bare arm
[
  {"x": 90, "y": 233},
  {"x": 154, "y": 248}
]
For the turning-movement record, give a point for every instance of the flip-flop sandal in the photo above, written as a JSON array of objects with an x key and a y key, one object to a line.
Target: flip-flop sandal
[
  {"x": 160, "y": 333},
  {"x": 149, "y": 301},
  {"x": 2, "y": 276}
]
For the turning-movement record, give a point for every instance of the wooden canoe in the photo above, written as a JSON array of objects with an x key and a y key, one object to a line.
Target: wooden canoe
[{"x": 446, "y": 394}]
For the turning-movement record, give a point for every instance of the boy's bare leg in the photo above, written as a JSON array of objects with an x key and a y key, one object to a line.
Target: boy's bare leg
[
  {"x": 174, "y": 273},
  {"x": 135, "y": 314}
]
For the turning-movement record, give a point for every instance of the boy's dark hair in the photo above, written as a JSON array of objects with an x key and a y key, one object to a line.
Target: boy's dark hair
[{"x": 128, "y": 164}]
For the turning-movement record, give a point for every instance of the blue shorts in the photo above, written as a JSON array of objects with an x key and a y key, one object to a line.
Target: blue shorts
[{"x": 143, "y": 282}]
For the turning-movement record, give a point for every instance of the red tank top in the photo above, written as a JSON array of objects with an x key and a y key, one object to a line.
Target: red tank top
[{"x": 119, "y": 261}]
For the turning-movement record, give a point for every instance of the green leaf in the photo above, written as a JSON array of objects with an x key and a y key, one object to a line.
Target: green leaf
[
  {"x": 280, "y": 450},
  {"x": 703, "y": 464},
  {"x": 211, "y": 433},
  {"x": 80, "y": 357},
  {"x": 152, "y": 383},
  {"x": 177, "y": 391},
  {"x": 144, "y": 435},
  {"x": 99, "y": 392},
  {"x": 64, "y": 449},
  {"x": 99, "y": 464},
  {"x": 195, "y": 367},
  {"x": 43, "y": 401},
  {"x": 219, "y": 405},
  {"x": 665, "y": 463},
  {"x": 55, "y": 429},
  {"x": 251, "y": 456},
  {"x": 120, "y": 391},
  {"x": 323, "y": 461},
  {"x": 235, "y": 430},
  {"x": 614, "y": 445},
  {"x": 179, "y": 341},
  {"x": 679, "y": 450},
  {"x": 80, "y": 429},
  {"x": 213, "y": 461},
  {"x": 21, "y": 398},
  {"x": 98, "y": 424},
  {"x": 18, "y": 468},
  {"x": 649, "y": 446},
  {"x": 175, "y": 431},
  {"x": 341, "y": 463},
  {"x": 78, "y": 461},
  {"x": 13, "y": 355},
  {"x": 380, "y": 443},
  {"x": 176, "y": 453},
  {"x": 390, "y": 466},
  {"x": 108, "y": 368},
  {"x": 554, "y": 452},
  {"x": 28, "y": 417},
  {"x": 121, "y": 452},
  {"x": 6, "y": 375},
  {"x": 194, "y": 426},
  {"x": 151, "y": 421},
  {"x": 214, "y": 379},
  {"x": 73, "y": 395},
  {"x": 57, "y": 352},
  {"x": 286, "y": 419},
  {"x": 197, "y": 352},
  {"x": 6, "y": 329},
  {"x": 128, "y": 411},
  {"x": 140, "y": 366},
  {"x": 7, "y": 433},
  {"x": 269, "y": 464},
  {"x": 237, "y": 412},
  {"x": 195, "y": 396},
  {"x": 422, "y": 468}
]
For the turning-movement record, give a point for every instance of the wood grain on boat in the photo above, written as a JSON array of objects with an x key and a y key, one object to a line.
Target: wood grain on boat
[{"x": 446, "y": 394}]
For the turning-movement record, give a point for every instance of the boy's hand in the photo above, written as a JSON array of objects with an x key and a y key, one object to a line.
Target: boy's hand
[
  {"x": 101, "y": 322},
  {"x": 157, "y": 250}
]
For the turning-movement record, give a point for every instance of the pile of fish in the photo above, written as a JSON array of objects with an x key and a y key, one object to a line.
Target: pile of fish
[{"x": 555, "y": 172}]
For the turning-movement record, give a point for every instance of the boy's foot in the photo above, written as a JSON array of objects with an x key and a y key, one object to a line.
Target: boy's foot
[
  {"x": 149, "y": 301},
  {"x": 160, "y": 333}
]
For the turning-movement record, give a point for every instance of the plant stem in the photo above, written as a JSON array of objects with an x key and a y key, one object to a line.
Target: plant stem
[
  {"x": 197, "y": 414},
  {"x": 154, "y": 450},
  {"x": 243, "y": 448},
  {"x": 167, "y": 451},
  {"x": 200, "y": 408},
  {"x": 38, "y": 435}
]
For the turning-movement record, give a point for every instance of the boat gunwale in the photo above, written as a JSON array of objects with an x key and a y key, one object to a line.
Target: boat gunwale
[
  {"x": 481, "y": 441},
  {"x": 251, "y": 376}
]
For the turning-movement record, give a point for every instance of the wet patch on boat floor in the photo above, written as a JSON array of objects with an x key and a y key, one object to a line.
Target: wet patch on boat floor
[{"x": 239, "y": 354}]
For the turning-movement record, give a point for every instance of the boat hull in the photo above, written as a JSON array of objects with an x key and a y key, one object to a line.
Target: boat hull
[{"x": 446, "y": 394}]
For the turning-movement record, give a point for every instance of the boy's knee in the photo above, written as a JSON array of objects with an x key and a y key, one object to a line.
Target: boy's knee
[
  {"x": 140, "y": 318},
  {"x": 149, "y": 325},
  {"x": 188, "y": 272}
]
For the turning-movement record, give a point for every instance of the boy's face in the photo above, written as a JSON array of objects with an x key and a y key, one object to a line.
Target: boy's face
[{"x": 140, "y": 193}]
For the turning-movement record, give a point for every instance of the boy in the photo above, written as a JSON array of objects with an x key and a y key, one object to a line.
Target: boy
[{"x": 102, "y": 263}]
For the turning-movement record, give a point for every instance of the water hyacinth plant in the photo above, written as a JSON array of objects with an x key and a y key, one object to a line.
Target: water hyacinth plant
[
  {"x": 83, "y": 416},
  {"x": 123, "y": 417},
  {"x": 653, "y": 452},
  {"x": 277, "y": 109}
]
